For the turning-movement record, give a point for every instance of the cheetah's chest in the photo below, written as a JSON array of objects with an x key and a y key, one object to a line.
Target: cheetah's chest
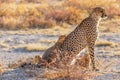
[{"x": 97, "y": 30}]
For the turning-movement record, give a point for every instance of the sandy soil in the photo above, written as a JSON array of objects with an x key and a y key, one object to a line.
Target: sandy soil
[{"x": 108, "y": 57}]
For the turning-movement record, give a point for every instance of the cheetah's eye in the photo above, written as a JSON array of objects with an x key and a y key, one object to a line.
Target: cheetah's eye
[{"x": 101, "y": 11}]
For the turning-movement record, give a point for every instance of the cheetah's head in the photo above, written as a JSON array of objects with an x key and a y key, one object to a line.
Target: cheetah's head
[{"x": 99, "y": 12}]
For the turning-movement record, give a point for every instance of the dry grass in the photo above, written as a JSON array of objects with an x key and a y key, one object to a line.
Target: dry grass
[
  {"x": 69, "y": 74},
  {"x": 118, "y": 48},
  {"x": 1, "y": 69},
  {"x": 105, "y": 43},
  {"x": 19, "y": 63},
  {"x": 55, "y": 74},
  {"x": 29, "y": 14},
  {"x": 31, "y": 47},
  {"x": 78, "y": 71},
  {"x": 50, "y": 31},
  {"x": 66, "y": 72},
  {"x": 4, "y": 45},
  {"x": 15, "y": 65},
  {"x": 116, "y": 53},
  {"x": 35, "y": 47},
  {"x": 83, "y": 61},
  {"x": 111, "y": 25},
  {"x": 108, "y": 64},
  {"x": 110, "y": 5},
  {"x": 47, "y": 41}
]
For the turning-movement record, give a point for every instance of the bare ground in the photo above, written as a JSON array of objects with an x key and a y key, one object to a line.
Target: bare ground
[{"x": 12, "y": 50}]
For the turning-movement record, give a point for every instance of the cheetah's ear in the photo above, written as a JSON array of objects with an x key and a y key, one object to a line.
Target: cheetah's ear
[{"x": 90, "y": 10}]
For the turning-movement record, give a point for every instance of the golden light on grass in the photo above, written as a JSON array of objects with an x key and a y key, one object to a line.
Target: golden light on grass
[
  {"x": 4, "y": 45},
  {"x": 116, "y": 53},
  {"x": 55, "y": 74},
  {"x": 71, "y": 72},
  {"x": 35, "y": 47},
  {"x": 48, "y": 41},
  {"x": 31, "y": 60},
  {"x": 118, "y": 49},
  {"x": 15, "y": 16},
  {"x": 107, "y": 65},
  {"x": 1, "y": 69},
  {"x": 105, "y": 43}
]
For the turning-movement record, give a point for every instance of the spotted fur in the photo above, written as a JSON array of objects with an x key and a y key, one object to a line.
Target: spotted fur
[
  {"x": 84, "y": 35},
  {"x": 52, "y": 53}
]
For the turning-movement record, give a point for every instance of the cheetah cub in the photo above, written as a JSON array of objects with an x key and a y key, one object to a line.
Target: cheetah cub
[
  {"x": 84, "y": 36},
  {"x": 52, "y": 52}
]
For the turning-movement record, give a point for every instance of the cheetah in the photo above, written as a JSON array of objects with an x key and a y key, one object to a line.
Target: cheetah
[
  {"x": 51, "y": 53},
  {"x": 84, "y": 36}
]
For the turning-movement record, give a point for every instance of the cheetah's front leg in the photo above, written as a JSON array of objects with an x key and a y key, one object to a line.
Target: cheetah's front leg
[{"x": 91, "y": 53}]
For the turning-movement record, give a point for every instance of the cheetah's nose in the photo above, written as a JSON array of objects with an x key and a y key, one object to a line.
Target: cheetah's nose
[{"x": 105, "y": 15}]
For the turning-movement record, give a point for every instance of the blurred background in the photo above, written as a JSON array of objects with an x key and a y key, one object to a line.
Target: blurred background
[
  {"x": 29, "y": 27},
  {"x": 22, "y": 14}
]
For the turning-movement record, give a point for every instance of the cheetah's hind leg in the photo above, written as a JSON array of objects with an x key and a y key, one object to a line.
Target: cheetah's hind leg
[{"x": 83, "y": 51}]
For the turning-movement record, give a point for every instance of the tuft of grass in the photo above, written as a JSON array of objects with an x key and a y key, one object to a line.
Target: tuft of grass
[
  {"x": 118, "y": 48},
  {"x": 116, "y": 53},
  {"x": 105, "y": 43},
  {"x": 15, "y": 65},
  {"x": 69, "y": 74},
  {"x": 83, "y": 61},
  {"x": 55, "y": 74},
  {"x": 30, "y": 60},
  {"x": 108, "y": 64},
  {"x": 42, "y": 14},
  {"x": 35, "y": 47},
  {"x": 2, "y": 70},
  {"x": 47, "y": 41},
  {"x": 78, "y": 71},
  {"x": 4, "y": 45}
]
